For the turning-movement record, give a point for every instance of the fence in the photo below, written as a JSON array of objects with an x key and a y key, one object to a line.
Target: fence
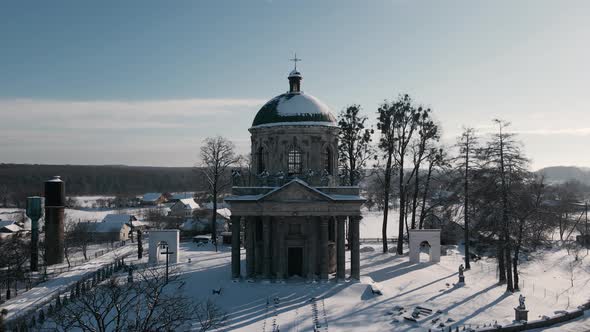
[
  {"x": 31, "y": 279},
  {"x": 28, "y": 317}
]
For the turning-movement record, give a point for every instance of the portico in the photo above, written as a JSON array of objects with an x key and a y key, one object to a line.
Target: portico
[{"x": 295, "y": 230}]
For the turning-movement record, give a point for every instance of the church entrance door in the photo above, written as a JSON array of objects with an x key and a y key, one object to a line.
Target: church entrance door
[{"x": 295, "y": 261}]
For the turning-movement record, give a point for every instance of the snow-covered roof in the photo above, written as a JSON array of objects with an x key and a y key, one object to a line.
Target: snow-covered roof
[
  {"x": 4, "y": 223},
  {"x": 179, "y": 196},
  {"x": 151, "y": 197},
  {"x": 294, "y": 73},
  {"x": 225, "y": 212},
  {"x": 330, "y": 197},
  {"x": 12, "y": 228},
  {"x": 119, "y": 218},
  {"x": 138, "y": 223},
  {"x": 189, "y": 203},
  {"x": 107, "y": 227}
]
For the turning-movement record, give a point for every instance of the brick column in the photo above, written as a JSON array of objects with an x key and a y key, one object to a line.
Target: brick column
[
  {"x": 235, "y": 246},
  {"x": 340, "y": 256},
  {"x": 355, "y": 259},
  {"x": 324, "y": 248},
  {"x": 266, "y": 243}
]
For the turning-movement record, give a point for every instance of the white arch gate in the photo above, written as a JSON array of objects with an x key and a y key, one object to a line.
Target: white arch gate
[
  {"x": 171, "y": 238},
  {"x": 417, "y": 236}
]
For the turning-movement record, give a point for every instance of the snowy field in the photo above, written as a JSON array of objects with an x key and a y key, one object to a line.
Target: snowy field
[
  {"x": 296, "y": 304},
  {"x": 370, "y": 225}
]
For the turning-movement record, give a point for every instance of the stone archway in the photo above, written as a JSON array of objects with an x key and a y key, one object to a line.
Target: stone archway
[
  {"x": 422, "y": 239},
  {"x": 168, "y": 236},
  {"x": 424, "y": 248}
]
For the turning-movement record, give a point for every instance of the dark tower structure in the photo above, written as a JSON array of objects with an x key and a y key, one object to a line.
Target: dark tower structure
[{"x": 55, "y": 201}]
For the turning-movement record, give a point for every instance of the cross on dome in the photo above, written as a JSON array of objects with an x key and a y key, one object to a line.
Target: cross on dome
[{"x": 295, "y": 60}]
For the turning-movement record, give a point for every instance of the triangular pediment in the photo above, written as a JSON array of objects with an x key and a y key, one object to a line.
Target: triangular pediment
[{"x": 295, "y": 191}]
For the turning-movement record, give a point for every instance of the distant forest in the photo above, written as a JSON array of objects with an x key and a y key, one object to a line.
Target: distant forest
[{"x": 17, "y": 181}]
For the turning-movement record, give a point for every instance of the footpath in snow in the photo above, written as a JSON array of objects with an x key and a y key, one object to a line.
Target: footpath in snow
[
  {"x": 296, "y": 305},
  {"x": 53, "y": 286}
]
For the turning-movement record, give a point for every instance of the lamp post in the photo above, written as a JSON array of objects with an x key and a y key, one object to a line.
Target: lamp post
[{"x": 167, "y": 252}]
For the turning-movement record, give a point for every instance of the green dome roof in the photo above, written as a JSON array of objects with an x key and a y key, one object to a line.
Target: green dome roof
[{"x": 294, "y": 108}]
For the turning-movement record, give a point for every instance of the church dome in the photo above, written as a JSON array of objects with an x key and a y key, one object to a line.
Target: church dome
[{"x": 294, "y": 108}]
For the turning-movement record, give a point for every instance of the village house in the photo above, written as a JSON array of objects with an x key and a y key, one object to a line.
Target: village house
[
  {"x": 153, "y": 199},
  {"x": 9, "y": 227},
  {"x": 111, "y": 231},
  {"x": 201, "y": 221},
  {"x": 184, "y": 208}
]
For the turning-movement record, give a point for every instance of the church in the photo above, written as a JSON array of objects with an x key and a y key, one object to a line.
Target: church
[{"x": 293, "y": 219}]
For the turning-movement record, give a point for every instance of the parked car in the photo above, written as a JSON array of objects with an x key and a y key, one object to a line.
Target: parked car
[{"x": 201, "y": 239}]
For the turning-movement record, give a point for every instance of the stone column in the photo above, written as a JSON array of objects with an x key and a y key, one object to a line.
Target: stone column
[
  {"x": 310, "y": 243},
  {"x": 250, "y": 271},
  {"x": 266, "y": 243},
  {"x": 355, "y": 259},
  {"x": 340, "y": 256},
  {"x": 280, "y": 253},
  {"x": 235, "y": 247},
  {"x": 324, "y": 248}
]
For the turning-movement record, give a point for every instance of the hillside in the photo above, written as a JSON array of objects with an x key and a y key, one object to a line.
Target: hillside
[{"x": 560, "y": 174}]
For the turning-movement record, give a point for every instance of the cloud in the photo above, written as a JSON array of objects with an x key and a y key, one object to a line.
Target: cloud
[
  {"x": 173, "y": 113},
  {"x": 559, "y": 131},
  {"x": 157, "y": 132}
]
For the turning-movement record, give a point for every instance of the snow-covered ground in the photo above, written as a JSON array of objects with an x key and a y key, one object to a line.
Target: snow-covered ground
[
  {"x": 53, "y": 286},
  {"x": 76, "y": 215},
  {"x": 370, "y": 225},
  {"x": 296, "y": 304}
]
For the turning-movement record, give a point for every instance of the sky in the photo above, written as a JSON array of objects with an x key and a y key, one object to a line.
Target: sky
[{"x": 144, "y": 82}]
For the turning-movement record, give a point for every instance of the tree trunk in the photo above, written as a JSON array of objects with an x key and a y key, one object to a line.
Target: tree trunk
[
  {"x": 501, "y": 266},
  {"x": 402, "y": 208},
  {"x": 516, "y": 253},
  {"x": 508, "y": 259},
  {"x": 213, "y": 219},
  {"x": 466, "y": 209},
  {"x": 425, "y": 195},
  {"x": 386, "y": 199},
  {"x": 415, "y": 198}
]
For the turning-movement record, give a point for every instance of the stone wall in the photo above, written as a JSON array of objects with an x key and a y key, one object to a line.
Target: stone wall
[{"x": 536, "y": 324}]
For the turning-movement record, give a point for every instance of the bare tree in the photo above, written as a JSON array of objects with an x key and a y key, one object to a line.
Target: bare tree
[
  {"x": 149, "y": 304},
  {"x": 504, "y": 159},
  {"x": 467, "y": 144},
  {"x": 81, "y": 236},
  {"x": 210, "y": 316},
  {"x": 217, "y": 156},
  {"x": 13, "y": 261},
  {"x": 397, "y": 123},
  {"x": 354, "y": 145},
  {"x": 428, "y": 134}
]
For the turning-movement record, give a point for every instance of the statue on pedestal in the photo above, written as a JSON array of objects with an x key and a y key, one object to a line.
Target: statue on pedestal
[
  {"x": 521, "y": 302},
  {"x": 520, "y": 312}
]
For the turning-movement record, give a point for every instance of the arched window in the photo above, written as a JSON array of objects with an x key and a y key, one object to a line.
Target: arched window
[
  {"x": 328, "y": 160},
  {"x": 260, "y": 160},
  {"x": 294, "y": 162}
]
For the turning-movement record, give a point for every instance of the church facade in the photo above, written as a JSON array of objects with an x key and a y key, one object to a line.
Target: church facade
[{"x": 293, "y": 220}]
